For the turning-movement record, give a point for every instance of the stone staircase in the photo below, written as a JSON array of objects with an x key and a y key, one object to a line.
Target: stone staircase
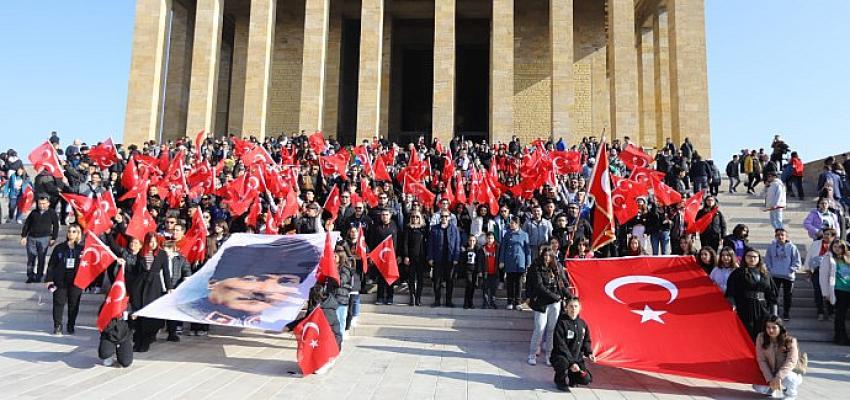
[
  {"x": 746, "y": 209},
  {"x": 33, "y": 303}
]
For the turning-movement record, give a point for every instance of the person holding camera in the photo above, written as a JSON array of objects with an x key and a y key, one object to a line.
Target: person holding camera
[{"x": 61, "y": 271}]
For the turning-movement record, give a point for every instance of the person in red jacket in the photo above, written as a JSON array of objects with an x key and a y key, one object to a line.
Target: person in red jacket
[{"x": 796, "y": 178}]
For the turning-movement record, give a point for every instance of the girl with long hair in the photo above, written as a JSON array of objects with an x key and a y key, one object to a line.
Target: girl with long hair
[
  {"x": 835, "y": 286},
  {"x": 726, "y": 263},
  {"x": 752, "y": 292},
  {"x": 777, "y": 354},
  {"x": 547, "y": 286}
]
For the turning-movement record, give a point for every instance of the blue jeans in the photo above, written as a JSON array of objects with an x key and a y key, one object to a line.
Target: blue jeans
[
  {"x": 700, "y": 183},
  {"x": 354, "y": 304},
  {"x": 341, "y": 315},
  {"x": 776, "y": 218},
  {"x": 660, "y": 242},
  {"x": 544, "y": 329},
  {"x": 14, "y": 214},
  {"x": 36, "y": 251}
]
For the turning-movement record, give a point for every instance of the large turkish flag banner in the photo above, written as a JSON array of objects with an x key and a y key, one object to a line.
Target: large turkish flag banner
[{"x": 662, "y": 314}]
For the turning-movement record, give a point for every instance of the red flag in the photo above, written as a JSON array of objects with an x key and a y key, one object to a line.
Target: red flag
[
  {"x": 693, "y": 330},
  {"x": 327, "y": 265},
  {"x": 362, "y": 251},
  {"x": 291, "y": 207},
  {"x": 80, "y": 203},
  {"x": 141, "y": 223},
  {"x": 383, "y": 255},
  {"x": 193, "y": 246},
  {"x": 418, "y": 190},
  {"x": 201, "y": 175},
  {"x": 271, "y": 224},
  {"x": 95, "y": 258},
  {"x": 106, "y": 201},
  {"x": 461, "y": 193},
  {"x": 692, "y": 206},
  {"x": 646, "y": 176},
  {"x": 130, "y": 177},
  {"x": 600, "y": 190},
  {"x": 241, "y": 147},
  {"x": 368, "y": 194},
  {"x": 566, "y": 162},
  {"x": 624, "y": 198},
  {"x": 380, "y": 171},
  {"x": 333, "y": 165},
  {"x": 116, "y": 301},
  {"x": 332, "y": 203},
  {"x": 199, "y": 140},
  {"x": 96, "y": 220},
  {"x": 26, "y": 200},
  {"x": 257, "y": 155},
  {"x": 286, "y": 158},
  {"x": 163, "y": 162},
  {"x": 104, "y": 155},
  {"x": 45, "y": 157},
  {"x": 316, "y": 342},
  {"x": 702, "y": 223},
  {"x": 253, "y": 214},
  {"x": 634, "y": 157},
  {"x": 317, "y": 142},
  {"x": 448, "y": 168}
]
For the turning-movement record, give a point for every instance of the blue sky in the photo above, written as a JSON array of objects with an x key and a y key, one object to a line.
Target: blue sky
[{"x": 775, "y": 66}]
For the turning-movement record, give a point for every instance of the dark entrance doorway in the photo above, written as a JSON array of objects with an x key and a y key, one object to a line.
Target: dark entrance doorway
[
  {"x": 411, "y": 79},
  {"x": 348, "y": 72},
  {"x": 472, "y": 71}
]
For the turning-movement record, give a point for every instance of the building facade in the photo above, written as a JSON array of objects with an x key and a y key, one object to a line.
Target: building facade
[{"x": 405, "y": 68}]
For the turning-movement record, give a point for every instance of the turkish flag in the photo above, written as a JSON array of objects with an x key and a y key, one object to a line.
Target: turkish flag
[
  {"x": 253, "y": 214},
  {"x": 566, "y": 162},
  {"x": 106, "y": 201},
  {"x": 333, "y": 165},
  {"x": 332, "y": 203},
  {"x": 130, "y": 177},
  {"x": 95, "y": 258},
  {"x": 44, "y": 157},
  {"x": 461, "y": 192},
  {"x": 116, "y": 301},
  {"x": 96, "y": 220},
  {"x": 193, "y": 246},
  {"x": 201, "y": 175},
  {"x": 26, "y": 200},
  {"x": 290, "y": 209},
  {"x": 692, "y": 206},
  {"x": 665, "y": 195},
  {"x": 448, "y": 168},
  {"x": 664, "y": 315},
  {"x": 141, "y": 223},
  {"x": 257, "y": 155},
  {"x": 317, "y": 142},
  {"x": 163, "y": 161},
  {"x": 418, "y": 190},
  {"x": 241, "y": 147},
  {"x": 327, "y": 264},
  {"x": 646, "y": 175},
  {"x": 702, "y": 223},
  {"x": 383, "y": 255},
  {"x": 361, "y": 250},
  {"x": 634, "y": 157},
  {"x": 623, "y": 199},
  {"x": 199, "y": 140},
  {"x": 316, "y": 342},
  {"x": 368, "y": 194},
  {"x": 104, "y": 154},
  {"x": 80, "y": 203},
  {"x": 286, "y": 157},
  {"x": 380, "y": 171},
  {"x": 603, "y": 212}
]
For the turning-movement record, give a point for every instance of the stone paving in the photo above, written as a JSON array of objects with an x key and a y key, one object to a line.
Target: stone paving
[{"x": 232, "y": 364}]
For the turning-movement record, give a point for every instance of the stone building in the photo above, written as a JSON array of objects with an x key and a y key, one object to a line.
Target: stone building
[{"x": 404, "y": 68}]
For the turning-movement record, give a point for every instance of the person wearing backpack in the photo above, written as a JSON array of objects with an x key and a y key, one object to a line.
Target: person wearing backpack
[{"x": 780, "y": 360}]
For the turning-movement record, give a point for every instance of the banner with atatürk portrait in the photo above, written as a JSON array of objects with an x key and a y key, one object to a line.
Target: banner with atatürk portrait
[{"x": 253, "y": 281}]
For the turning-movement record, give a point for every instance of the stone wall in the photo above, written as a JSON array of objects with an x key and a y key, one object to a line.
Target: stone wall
[
  {"x": 532, "y": 70},
  {"x": 285, "y": 90}
]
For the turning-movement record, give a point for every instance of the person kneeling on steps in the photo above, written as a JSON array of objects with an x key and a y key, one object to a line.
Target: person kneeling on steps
[{"x": 571, "y": 346}]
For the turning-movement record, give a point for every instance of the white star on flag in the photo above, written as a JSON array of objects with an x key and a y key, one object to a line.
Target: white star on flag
[
  {"x": 648, "y": 314},
  {"x": 314, "y": 343}
]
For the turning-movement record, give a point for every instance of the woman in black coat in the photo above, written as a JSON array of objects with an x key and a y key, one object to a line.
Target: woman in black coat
[
  {"x": 752, "y": 292},
  {"x": 150, "y": 279},
  {"x": 413, "y": 244},
  {"x": 713, "y": 235}
]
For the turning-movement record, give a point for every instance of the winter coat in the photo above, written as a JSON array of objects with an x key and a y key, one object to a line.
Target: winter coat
[
  {"x": 828, "y": 269},
  {"x": 443, "y": 244},
  {"x": 720, "y": 276},
  {"x": 570, "y": 342},
  {"x": 817, "y": 221},
  {"x": 148, "y": 283},
  {"x": 346, "y": 284},
  {"x": 179, "y": 268},
  {"x": 732, "y": 169},
  {"x": 773, "y": 361},
  {"x": 754, "y": 296},
  {"x": 775, "y": 195},
  {"x": 57, "y": 272},
  {"x": 782, "y": 259},
  {"x": 546, "y": 287},
  {"x": 414, "y": 243},
  {"x": 515, "y": 251}
]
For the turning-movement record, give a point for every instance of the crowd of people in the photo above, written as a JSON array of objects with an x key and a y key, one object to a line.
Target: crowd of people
[{"x": 451, "y": 232}]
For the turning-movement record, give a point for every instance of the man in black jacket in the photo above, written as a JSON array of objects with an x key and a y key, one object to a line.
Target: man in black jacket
[
  {"x": 734, "y": 174},
  {"x": 39, "y": 232},
  {"x": 61, "y": 271},
  {"x": 377, "y": 233},
  {"x": 571, "y": 344}
]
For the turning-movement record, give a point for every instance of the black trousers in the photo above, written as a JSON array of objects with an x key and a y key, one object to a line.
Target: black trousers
[
  {"x": 71, "y": 296},
  {"x": 513, "y": 283},
  {"x": 171, "y": 326},
  {"x": 786, "y": 286},
  {"x": 797, "y": 182},
  {"x": 562, "y": 374},
  {"x": 385, "y": 291},
  {"x": 145, "y": 330},
  {"x": 488, "y": 291},
  {"x": 842, "y": 302},
  {"x": 416, "y": 278},
  {"x": 443, "y": 273},
  {"x": 819, "y": 303},
  {"x": 753, "y": 180},
  {"x": 470, "y": 278},
  {"x": 124, "y": 350}
]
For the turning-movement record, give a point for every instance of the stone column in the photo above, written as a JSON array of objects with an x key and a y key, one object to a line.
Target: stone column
[
  {"x": 332, "y": 81},
  {"x": 369, "y": 81},
  {"x": 622, "y": 56},
  {"x": 646, "y": 91},
  {"x": 661, "y": 60},
  {"x": 443, "y": 111},
  {"x": 561, "y": 38},
  {"x": 144, "y": 92},
  {"x": 316, "y": 14},
  {"x": 688, "y": 73},
  {"x": 386, "y": 69},
  {"x": 203, "y": 86},
  {"x": 258, "y": 67},
  {"x": 502, "y": 71},
  {"x": 238, "y": 74}
]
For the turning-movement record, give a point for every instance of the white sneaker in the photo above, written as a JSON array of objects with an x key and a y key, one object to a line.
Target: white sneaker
[
  {"x": 510, "y": 306},
  {"x": 532, "y": 360},
  {"x": 353, "y": 322},
  {"x": 107, "y": 362}
]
